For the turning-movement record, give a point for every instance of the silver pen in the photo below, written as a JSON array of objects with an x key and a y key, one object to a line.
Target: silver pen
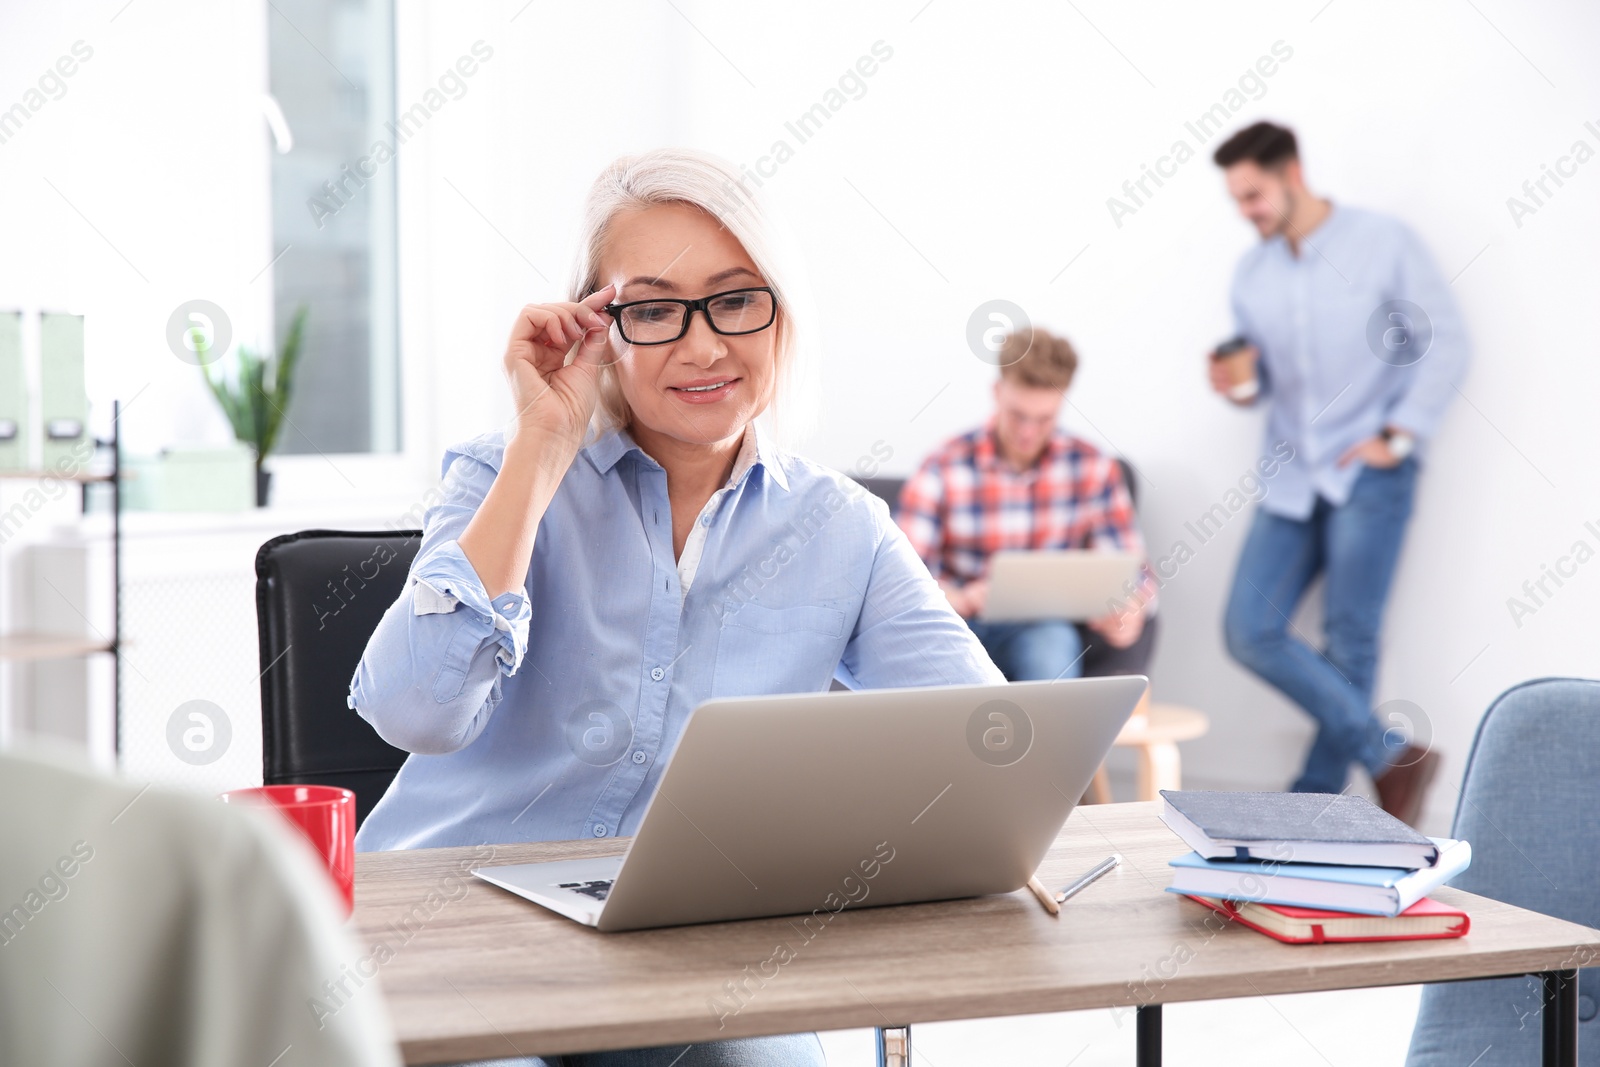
[{"x": 1083, "y": 883}]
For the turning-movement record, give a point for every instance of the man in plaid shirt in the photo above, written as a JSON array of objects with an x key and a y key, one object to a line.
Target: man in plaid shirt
[{"x": 1020, "y": 482}]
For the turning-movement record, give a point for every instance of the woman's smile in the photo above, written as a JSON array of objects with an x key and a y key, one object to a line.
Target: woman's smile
[{"x": 705, "y": 390}]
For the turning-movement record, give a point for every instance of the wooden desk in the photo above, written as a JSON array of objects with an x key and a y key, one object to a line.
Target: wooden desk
[{"x": 473, "y": 972}]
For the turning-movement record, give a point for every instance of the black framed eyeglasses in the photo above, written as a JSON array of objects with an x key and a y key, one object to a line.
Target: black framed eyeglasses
[{"x": 660, "y": 322}]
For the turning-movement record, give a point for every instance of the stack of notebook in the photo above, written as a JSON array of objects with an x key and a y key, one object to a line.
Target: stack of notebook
[{"x": 1313, "y": 867}]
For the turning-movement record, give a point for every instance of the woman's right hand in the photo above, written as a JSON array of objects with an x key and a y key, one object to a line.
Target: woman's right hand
[{"x": 555, "y": 399}]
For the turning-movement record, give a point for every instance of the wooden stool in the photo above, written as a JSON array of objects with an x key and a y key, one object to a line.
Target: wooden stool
[{"x": 1156, "y": 736}]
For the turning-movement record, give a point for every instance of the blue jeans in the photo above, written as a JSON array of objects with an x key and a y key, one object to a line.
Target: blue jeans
[
  {"x": 1355, "y": 547},
  {"x": 787, "y": 1050},
  {"x": 1032, "y": 651}
]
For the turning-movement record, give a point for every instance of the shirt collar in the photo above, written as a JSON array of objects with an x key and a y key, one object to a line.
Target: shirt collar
[
  {"x": 1333, "y": 222},
  {"x": 757, "y": 448}
]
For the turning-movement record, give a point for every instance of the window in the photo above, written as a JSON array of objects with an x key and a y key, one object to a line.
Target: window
[{"x": 331, "y": 73}]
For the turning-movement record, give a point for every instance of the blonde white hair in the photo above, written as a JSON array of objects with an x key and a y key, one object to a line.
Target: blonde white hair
[{"x": 705, "y": 181}]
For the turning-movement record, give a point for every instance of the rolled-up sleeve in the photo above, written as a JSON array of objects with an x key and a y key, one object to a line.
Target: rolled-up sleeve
[
  {"x": 431, "y": 673},
  {"x": 908, "y": 634},
  {"x": 445, "y": 581}
]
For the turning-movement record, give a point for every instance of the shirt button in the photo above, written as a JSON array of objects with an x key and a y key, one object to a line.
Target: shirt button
[
  {"x": 705, "y": 520},
  {"x": 639, "y": 757},
  {"x": 599, "y": 829},
  {"x": 657, "y": 673}
]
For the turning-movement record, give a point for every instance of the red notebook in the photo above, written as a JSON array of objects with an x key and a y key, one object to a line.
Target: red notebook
[{"x": 1424, "y": 920}]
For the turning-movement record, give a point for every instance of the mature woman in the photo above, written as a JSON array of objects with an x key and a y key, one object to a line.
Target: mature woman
[{"x": 634, "y": 545}]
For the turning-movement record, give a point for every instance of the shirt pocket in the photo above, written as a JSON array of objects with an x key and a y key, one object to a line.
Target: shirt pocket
[{"x": 764, "y": 651}]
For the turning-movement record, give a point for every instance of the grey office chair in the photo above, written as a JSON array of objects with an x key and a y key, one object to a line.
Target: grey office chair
[{"x": 1528, "y": 801}]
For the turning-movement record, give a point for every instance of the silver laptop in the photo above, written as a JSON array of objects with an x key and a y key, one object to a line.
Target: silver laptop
[
  {"x": 1072, "y": 584},
  {"x": 811, "y": 803}
]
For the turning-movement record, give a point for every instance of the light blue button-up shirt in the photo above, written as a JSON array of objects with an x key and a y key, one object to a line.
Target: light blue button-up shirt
[
  {"x": 549, "y": 712},
  {"x": 1335, "y": 363}
]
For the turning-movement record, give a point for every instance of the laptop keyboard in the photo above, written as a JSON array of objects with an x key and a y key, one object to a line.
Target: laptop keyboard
[{"x": 598, "y": 889}]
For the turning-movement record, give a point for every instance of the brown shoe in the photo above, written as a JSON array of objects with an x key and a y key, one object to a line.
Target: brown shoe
[{"x": 1404, "y": 786}]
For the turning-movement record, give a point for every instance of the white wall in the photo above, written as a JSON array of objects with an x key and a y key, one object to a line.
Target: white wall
[
  {"x": 976, "y": 165},
  {"x": 991, "y": 141}
]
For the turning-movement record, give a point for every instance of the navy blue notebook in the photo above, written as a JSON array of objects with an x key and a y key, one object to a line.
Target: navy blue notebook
[{"x": 1295, "y": 827}]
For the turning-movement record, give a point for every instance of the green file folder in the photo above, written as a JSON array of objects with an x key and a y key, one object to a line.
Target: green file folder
[
  {"x": 64, "y": 402},
  {"x": 13, "y": 395}
]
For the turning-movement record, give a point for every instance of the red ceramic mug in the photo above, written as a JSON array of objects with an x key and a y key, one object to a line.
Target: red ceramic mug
[{"x": 326, "y": 814}]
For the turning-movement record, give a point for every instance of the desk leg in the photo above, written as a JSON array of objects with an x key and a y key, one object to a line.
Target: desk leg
[
  {"x": 894, "y": 1046},
  {"x": 1147, "y": 1035},
  {"x": 1560, "y": 1018}
]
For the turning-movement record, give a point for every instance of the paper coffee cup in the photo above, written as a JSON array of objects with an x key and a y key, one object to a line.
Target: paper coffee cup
[{"x": 1239, "y": 365}]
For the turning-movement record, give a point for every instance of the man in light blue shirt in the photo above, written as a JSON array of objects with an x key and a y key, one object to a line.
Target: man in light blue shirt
[{"x": 1351, "y": 339}]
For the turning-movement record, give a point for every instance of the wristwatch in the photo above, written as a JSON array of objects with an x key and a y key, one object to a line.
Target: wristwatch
[{"x": 1401, "y": 444}]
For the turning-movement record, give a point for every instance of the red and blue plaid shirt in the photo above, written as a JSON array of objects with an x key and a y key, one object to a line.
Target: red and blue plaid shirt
[{"x": 966, "y": 503}]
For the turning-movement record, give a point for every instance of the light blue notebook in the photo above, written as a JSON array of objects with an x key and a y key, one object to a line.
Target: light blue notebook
[{"x": 1366, "y": 890}]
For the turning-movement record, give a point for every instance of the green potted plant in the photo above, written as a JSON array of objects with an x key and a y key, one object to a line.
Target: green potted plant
[{"x": 256, "y": 393}]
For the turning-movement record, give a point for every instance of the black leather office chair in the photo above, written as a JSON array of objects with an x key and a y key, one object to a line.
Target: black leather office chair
[
  {"x": 1127, "y": 476},
  {"x": 319, "y": 596}
]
